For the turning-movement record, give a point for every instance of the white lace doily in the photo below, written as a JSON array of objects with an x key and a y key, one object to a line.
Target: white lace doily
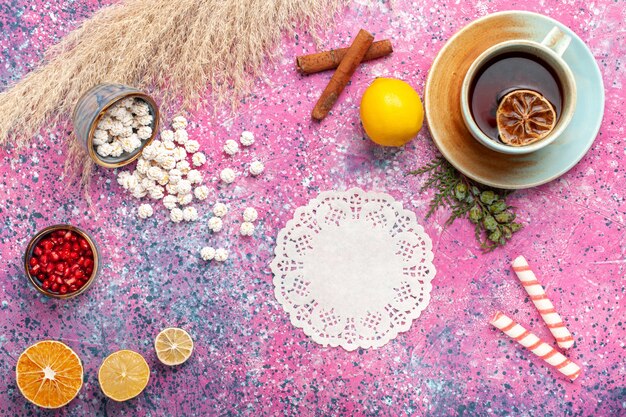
[{"x": 353, "y": 269}]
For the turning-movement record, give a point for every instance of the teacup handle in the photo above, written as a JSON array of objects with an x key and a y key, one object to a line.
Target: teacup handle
[{"x": 557, "y": 40}]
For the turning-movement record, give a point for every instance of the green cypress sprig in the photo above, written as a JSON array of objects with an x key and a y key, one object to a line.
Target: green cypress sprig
[{"x": 486, "y": 208}]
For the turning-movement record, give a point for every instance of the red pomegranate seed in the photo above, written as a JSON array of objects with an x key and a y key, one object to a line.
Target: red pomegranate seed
[
  {"x": 63, "y": 289},
  {"x": 37, "y": 251},
  {"x": 88, "y": 270},
  {"x": 54, "y": 256},
  {"x": 60, "y": 267},
  {"x": 45, "y": 285},
  {"x": 79, "y": 274},
  {"x": 74, "y": 255},
  {"x": 71, "y": 281},
  {"x": 73, "y": 288},
  {"x": 50, "y": 268},
  {"x": 35, "y": 269},
  {"x": 54, "y": 286},
  {"x": 83, "y": 243},
  {"x": 41, "y": 277},
  {"x": 66, "y": 255},
  {"x": 75, "y": 247},
  {"x": 47, "y": 245},
  {"x": 68, "y": 235}
]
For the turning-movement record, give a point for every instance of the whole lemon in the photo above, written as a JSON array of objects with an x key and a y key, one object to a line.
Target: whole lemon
[{"x": 391, "y": 112}]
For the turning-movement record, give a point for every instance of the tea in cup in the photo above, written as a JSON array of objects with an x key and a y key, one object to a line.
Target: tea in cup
[{"x": 518, "y": 96}]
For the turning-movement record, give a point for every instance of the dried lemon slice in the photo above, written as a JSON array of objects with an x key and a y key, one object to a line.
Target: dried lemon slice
[
  {"x": 123, "y": 375},
  {"x": 173, "y": 346},
  {"x": 49, "y": 374},
  {"x": 524, "y": 117}
]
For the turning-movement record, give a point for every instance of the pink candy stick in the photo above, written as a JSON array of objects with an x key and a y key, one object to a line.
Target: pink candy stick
[
  {"x": 537, "y": 346},
  {"x": 543, "y": 304}
]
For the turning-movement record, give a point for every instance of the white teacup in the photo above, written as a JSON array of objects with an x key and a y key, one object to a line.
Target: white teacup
[{"x": 549, "y": 51}]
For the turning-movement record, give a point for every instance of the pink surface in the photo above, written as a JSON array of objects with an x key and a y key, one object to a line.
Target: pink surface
[{"x": 249, "y": 359}]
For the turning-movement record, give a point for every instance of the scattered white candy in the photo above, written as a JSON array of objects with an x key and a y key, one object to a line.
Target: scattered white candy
[
  {"x": 144, "y": 211},
  {"x": 172, "y": 188},
  {"x": 170, "y": 146},
  {"x": 220, "y": 209},
  {"x": 227, "y": 175},
  {"x": 183, "y": 166},
  {"x": 207, "y": 253},
  {"x": 162, "y": 171},
  {"x": 168, "y": 162},
  {"x": 184, "y": 199},
  {"x": 192, "y": 146},
  {"x": 176, "y": 215},
  {"x": 201, "y": 193},
  {"x": 181, "y": 137},
  {"x": 250, "y": 214},
  {"x": 139, "y": 191},
  {"x": 156, "y": 193},
  {"x": 127, "y": 180},
  {"x": 149, "y": 152},
  {"x": 215, "y": 224},
  {"x": 256, "y": 168},
  {"x": 198, "y": 159},
  {"x": 180, "y": 154},
  {"x": 164, "y": 180},
  {"x": 247, "y": 138},
  {"x": 190, "y": 214},
  {"x": 194, "y": 176},
  {"x": 175, "y": 176},
  {"x": 170, "y": 202},
  {"x": 179, "y": 122},
  {"x": 231, "y": 147},
  {"x": 167, "y": 136},
  {"x": 221, "y": 255},
  {"x": 148, "y": 184},
  {"x": 184, "y": 187},
  {"x": 155, "y": 173},
  {"x": 246, "y": 229}
]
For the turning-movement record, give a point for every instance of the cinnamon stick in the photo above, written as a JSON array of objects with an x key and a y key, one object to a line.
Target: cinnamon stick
[
  {"x": 322, "y": 61},
  {"x": 344, "y": 71}
]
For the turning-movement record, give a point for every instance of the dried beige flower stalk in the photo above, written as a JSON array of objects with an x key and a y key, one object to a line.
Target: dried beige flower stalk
[{"x": 175, "y": 50}]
